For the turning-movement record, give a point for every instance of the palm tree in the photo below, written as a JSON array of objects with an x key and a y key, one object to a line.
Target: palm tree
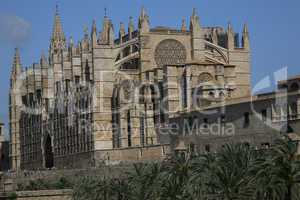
[
  {"x": 237, "y": 172},
  {"x": 279, "y": 175},
  {"x": 225, "y": 175},
  {"x": 199, "y": 185},
  {"x": 144, "y": 182},
  {"x": 174, "y": 178}
]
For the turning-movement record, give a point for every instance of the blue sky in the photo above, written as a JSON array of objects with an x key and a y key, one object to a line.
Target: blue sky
[{"x": 273, "y": 24}]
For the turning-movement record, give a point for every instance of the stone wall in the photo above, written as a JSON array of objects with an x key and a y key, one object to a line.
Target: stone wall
[
  {"x": 40, "y": 195},
  {"x": 112, "y": 156},
  {"x": 10, "y": 181},
  {"x": 252, "y": 121},
  {"x": 74, "y": 161},
  {"x": 129, "y": 155}
]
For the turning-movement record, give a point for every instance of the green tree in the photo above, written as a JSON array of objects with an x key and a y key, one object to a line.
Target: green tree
[
  {"x": 278, "y": 177},
  {"x": 225, "y": 175}
]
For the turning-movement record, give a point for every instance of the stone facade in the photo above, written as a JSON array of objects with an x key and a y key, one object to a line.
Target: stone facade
[
  {"x": 4, "y": 150},
  {"x": 257, "y": 121},
  {"x": 110, "y": 97},
  {"x": 40, "y": 195}
]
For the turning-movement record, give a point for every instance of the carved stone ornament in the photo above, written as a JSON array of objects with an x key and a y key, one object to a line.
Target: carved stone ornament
[
  {"x": 170, "y": 52},
  {"x": 205, "y": 77}
]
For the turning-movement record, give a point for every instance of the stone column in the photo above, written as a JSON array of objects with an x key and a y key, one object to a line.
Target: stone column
[
  {"x": 103, "y": 62},
  {"x": 172, "y": 90}
]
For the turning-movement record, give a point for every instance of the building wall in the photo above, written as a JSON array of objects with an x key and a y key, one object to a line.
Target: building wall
[
  {"x": 222, "y": 124},
  {"x": 45, "y": 195},
  {"x": 131, "y": 155},
  {"x": 101, "y": 94},
  {"x": 4, "y": 161},
  {"x": 4, "y": 150}
]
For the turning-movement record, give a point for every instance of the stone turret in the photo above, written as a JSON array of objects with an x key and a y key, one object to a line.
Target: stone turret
[
  {"x": 45, "y": 75},
  {"x": 183, "y": 25},
  {"x": 107, "y": 34},
  {"x": 14, "y": 110},
  {"x": 85, "y": 42},
  {"x": 58, "y": 39},
  {"x": 198, "y": 47},
  {"x": 245, "y": 38},
  {"x": 230, "y": 37},
  {"x": 195, "y": 22},
  {"x": 144, "y": 24}
]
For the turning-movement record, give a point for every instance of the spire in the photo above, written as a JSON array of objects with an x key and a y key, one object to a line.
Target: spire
[
  {"x": 230, "y": 37},
  {"x": 16, "y": 68},
  {"x": 17, "y": 59},
  {"x": 86, "y": 32},
  {"x": 195, "y": 22},
  {"x": 122, "y": 28},
  {"x": 245, "y": 38},
  {"x": 43, "y": 60},
  {"x": 71, "y": 41},
  {"x": 183, "y": 25},
  {"x": 229, "y": 27},
  {"x": 122, "y": 31},
  {"x": 194, "y": 12},
  {"x": 57, "y": 29},
  {"x": 58, "y": 37},
  {"x": 245, "y": 29},
  {"x": 94, "y": 27},
  {"x": 94, "y": 33},
  {"x": 130, "y": 27},
  {"x": 144, "y": 24},
  {"x": 107, "y": 34},
  {"x": 143, "y": 12},
  {"x": 111, "y": 33},
  {"x": 198, "y": 45},
  {"x": 85, "y": 42},
  {"x": 105, "y": 12},
  {"x": 214, "y": 36}
]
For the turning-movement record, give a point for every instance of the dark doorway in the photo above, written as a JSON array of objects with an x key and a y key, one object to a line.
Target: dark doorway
[{"x": 48, "y": 153}]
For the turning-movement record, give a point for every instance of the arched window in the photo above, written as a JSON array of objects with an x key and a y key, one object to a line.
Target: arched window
[
  {"x": 116, "y": 119},
  {"x": 161, "y": 106},
  {"x": 142, "y": 128},
  {"x": 184, "y": 89},
  {"x": 49, "y": 160},
  {"x": 87, "y": 71},
  {"x": 154, "y": 102},
  {"x": 129, "y": 128}
]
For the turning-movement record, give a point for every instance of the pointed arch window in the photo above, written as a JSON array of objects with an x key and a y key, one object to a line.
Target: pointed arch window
[
  {"x": 184, "y": 89},
  {"x": 129, "y": 134}
]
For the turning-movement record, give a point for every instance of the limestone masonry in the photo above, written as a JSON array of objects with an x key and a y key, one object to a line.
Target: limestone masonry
[{"x": 107, "y": 99}]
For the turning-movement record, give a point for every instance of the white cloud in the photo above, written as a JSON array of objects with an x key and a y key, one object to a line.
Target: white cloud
[{"x": 14, "y": 29}]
